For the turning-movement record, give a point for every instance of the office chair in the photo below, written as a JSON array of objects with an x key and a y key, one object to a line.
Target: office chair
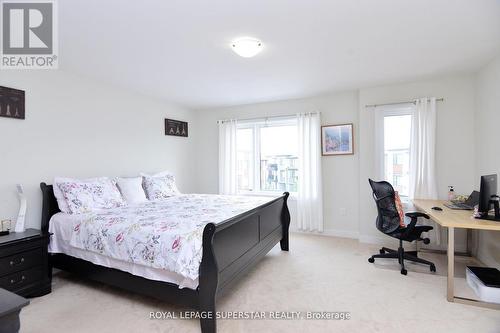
[{"x": 388, "y": 222}]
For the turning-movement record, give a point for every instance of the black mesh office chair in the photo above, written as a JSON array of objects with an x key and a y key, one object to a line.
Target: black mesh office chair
[{"x": 388, "y": 222}]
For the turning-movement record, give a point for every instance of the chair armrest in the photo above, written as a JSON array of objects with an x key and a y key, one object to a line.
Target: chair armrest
[{"x": 413, "y": 215}]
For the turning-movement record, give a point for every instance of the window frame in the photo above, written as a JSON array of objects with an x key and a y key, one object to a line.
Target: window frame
[
  {"x": 406, "y": 109},
  {"x": 256, "y": 125}
]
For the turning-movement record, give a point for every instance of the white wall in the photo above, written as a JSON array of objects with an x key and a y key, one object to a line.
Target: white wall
[
  {"x": 454, "y": 139},
  {"x": 488, "y": 147},
  {"x": 340, "y": 173},
  {"x": 345, "y": 178},
  {"x": 81, "y": 128}
]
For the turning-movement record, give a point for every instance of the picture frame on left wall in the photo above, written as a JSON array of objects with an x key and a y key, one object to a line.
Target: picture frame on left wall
[
  {"x": 337, "y": 140},
  {"x": 12, "y": 103},
  {"x": 176, "y": 127}
]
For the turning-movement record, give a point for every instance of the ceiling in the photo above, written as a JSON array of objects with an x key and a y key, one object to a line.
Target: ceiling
[{"x": 179, "y": 50}]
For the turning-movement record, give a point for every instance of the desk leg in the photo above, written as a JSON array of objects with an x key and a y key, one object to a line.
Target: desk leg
[{"x": 451, "y": 264}]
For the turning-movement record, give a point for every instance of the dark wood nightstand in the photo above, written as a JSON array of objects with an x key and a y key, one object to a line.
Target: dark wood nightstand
[{"x": 24, "y": 263}]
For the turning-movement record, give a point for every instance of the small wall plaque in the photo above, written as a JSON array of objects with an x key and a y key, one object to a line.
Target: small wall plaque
[
  {"x": 176, "y": 127},
  {"x": 11, "y": 103}
]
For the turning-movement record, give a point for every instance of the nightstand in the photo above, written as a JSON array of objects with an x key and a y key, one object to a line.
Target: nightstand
[{"x": 24, "y": 263}]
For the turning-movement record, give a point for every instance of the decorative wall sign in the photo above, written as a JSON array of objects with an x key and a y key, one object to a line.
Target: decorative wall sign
[
  {"x": 337, "y": 140},
  {"x": 11, "y": 103},
  {"x": 176, "y": 127}
]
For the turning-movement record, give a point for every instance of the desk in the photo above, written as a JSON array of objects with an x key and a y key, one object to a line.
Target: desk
[{"x": 451, "y": 219}]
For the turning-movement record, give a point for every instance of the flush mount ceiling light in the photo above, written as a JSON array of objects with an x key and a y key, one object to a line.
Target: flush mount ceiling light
[{"x": 246, "y": 47}]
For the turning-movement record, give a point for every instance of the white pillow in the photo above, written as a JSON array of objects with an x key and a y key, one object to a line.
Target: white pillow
[
  {"x": 131, "y": 189},
  {"x": 161, "y": 174},
  {"x": 85, "y": 197},
  {"x": 61, "y": 201},
  {"x": 159, "y": 187}
]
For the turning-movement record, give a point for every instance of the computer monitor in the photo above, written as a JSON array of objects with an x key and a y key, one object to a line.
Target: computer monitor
[{"x": 487, "y": 192}]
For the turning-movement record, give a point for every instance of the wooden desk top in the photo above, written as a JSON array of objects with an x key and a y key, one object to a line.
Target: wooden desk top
[{"x": 452, "y": 217}]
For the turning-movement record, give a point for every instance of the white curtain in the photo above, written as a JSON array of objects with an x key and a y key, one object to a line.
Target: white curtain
[
  {"x": 309, "y": 193},
  {"x": 423, "y": 147},
  {"x": 423, "y": 183},
  {"x": 227, "y": 157}
]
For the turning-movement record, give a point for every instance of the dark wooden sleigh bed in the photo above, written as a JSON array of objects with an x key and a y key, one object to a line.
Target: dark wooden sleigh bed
[{"x": 230, "y": 249}]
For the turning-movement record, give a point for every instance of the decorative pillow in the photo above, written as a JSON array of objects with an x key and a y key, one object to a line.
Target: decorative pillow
[
  {"x": 158, "y": 188},
  {"x": 61, "y": 201},
  {"x": 399, "y": 207},
  {"x": 131, "y": 189},
  {"x": 85, "y": 197}
]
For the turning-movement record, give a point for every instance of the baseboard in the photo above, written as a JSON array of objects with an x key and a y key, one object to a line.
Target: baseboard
[{"x": 330, "y": 233}]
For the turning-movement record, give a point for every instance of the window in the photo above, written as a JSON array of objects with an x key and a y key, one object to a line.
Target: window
[
  {"x": 267, "y": 156},
  {"x": 394, "y": 153}
]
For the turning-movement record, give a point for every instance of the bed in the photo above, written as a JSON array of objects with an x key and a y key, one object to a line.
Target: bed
[{"x": 233, "y": 236}]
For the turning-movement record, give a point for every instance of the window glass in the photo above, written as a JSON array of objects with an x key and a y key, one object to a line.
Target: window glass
[
  {"x": 267, "y": 156},
  {"x": 397, "y": 132},
  {"x": 278, "y": 158}
]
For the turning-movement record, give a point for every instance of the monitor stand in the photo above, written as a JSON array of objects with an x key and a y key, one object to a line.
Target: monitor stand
[
  {"x": 489, "y": 218},
  {"x": 496, "y": 207}
]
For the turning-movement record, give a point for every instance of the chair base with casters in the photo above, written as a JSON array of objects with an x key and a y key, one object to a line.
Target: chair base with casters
[
  {"x": 389, "y": 222},
  {"x": 403, "y": 255}
]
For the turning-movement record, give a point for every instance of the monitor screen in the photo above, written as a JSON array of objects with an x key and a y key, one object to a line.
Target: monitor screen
[{"x": 488, "y": 189}]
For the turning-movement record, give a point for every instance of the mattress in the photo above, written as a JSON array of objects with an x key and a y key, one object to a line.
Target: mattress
[{"x": 156, "y": 240}]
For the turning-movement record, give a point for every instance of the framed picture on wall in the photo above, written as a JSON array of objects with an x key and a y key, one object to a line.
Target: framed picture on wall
[
  {"x": 337, "y": 140},
  {"x": 11, "y": 103},
  {"x": 176, "y": 128}
]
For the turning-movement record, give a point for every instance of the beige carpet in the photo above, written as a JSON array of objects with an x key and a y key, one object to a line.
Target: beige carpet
[{"x": 318, "y": 274}]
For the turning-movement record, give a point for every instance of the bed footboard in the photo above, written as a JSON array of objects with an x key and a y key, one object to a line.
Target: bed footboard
[{"x": 231, "y": 248}]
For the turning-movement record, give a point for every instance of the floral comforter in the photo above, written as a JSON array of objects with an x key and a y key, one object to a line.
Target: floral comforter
[{"x": 165, "y": 234}]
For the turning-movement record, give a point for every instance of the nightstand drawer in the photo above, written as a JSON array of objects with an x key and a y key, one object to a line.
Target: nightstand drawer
[
  {"x": 21, "y": 279},
  {"x": 21, "y": 261}
]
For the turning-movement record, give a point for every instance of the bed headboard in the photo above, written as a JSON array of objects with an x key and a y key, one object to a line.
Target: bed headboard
[{"x": 49, "y": 205}]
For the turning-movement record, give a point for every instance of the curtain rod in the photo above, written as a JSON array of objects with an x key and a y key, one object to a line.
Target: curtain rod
[
  {"x": 396, "y": 103},
  {"x": 266, "y": 118}
]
